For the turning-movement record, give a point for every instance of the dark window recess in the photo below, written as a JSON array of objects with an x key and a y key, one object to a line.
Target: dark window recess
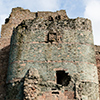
[
  {"x": 36, "y": 14},
  {"x": 6, "y": 20},
  {"x": 50, "y": 18},
  {"x": 55, "y": 92},
  {"x": 63, "y": 78},
  {"x": 58, "y": 17},
  {"x": 52, "y": 37},
  {"x": 53, "y": 89},
  {"x": 83, "y": 23},
  {"x": 97, "y": 52}
]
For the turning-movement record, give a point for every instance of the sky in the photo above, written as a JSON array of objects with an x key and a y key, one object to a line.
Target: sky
[{"x": 74, "y": 8}]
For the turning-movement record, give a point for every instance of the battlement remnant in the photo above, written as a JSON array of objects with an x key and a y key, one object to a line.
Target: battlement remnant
[
  {"x": 51, "y": 57},
  {"x": 18, "y": 15}
]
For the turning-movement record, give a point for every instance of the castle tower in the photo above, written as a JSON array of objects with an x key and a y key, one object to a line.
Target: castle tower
[{"x": 52, "y": 59}]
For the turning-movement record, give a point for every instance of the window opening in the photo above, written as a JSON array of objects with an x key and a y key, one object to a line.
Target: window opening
[
  {"x": 55, "y": 92},
  {"x": 36, "y": 14},
  {"x": 63, "y": 78},
  {"x": 52, "y": 37},
  {"x": 50, "y": 18},
  {"x": 58, "y": 17}
]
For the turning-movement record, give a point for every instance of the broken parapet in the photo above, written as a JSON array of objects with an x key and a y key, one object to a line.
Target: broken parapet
[
  {"x": 18, "y": 15},
  {"x": 62, "y": 53}
]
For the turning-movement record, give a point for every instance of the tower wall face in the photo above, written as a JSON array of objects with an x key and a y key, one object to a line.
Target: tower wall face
[
  {"x": 59, "y": 53},
  {"x": 16, "y": 17}
]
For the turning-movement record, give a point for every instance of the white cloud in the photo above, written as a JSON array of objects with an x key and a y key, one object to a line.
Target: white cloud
[
  {"x": 49, "y": 4},
  {"x": 92, "y": 11}
]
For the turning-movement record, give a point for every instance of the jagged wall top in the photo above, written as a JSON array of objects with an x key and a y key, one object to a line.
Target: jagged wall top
[{"x": 19, "y": 14}]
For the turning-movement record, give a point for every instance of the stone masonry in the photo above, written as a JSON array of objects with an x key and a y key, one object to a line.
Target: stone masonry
[
  {"x": 97, "y": 50},
  {"x": 51, "y": 57},
  {"x": 59, "y": 50},
  {"x": 16, "y": 17}
]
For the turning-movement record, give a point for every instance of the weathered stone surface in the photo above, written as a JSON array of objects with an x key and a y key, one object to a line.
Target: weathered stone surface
[
  {"x": 51, "y": 45},
  {"x": 62, "y": 51},
  {"x": 31, "y": 84},
  {"x": 97, "y": 51},
  {"x": 16, "y": 17}
]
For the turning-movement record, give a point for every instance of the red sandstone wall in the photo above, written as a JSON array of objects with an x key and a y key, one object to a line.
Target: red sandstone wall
[
  {"x": 68, "y": 95},
  {"x": 97, "y": 50},
  {"x": 16, "y": 17}
]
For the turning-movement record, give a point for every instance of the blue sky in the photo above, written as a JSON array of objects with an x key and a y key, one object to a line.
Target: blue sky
[{"x": 74, "y": 8}]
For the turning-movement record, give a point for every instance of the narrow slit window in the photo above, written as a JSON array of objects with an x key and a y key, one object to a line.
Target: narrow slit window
[{"x": 36, "y": 15}]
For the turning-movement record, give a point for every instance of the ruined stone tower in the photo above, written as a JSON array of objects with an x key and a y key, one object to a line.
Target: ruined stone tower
[{"x": 51, "y": 57}]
